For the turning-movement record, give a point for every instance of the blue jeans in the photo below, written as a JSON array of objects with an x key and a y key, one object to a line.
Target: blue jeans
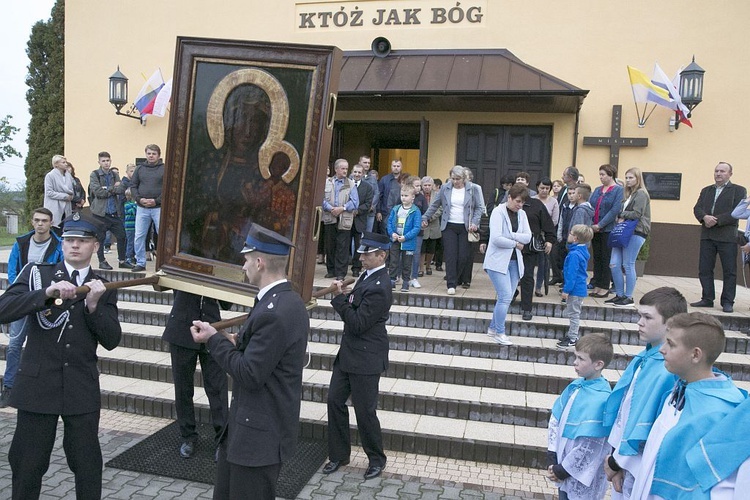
[
  {"x": 17, "y": 334},
  {"x": 143, "y": 218},
  {"x": 625, "y": 258},
  {"x": 505, "y": 285},
  {"x": 417, "y": 256},
  {"x": 130, "y": 249}
]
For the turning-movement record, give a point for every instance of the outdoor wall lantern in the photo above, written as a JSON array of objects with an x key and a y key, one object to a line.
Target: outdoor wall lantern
[{"x": 118, "y": 94}]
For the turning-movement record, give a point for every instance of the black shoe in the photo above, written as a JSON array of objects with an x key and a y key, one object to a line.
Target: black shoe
[
  {"x": 727, "y": 308},
  {"x": 538, "y": 293},
  {"x": 126, "y": 265},
  {"x": 187, "y": 449},
  {"x": 527, "y": 316},
  {"x": 373, "y": 471},
  {"x": 330, "y": 275},
  {"x": 624, "y": 302},
  {"x": 355, "y": 273},
  {"x": 566, "y": 343},
  {"x": 333, "y": 466},
  {"x": 5, "y": 397},
  {"x": 105, "y": 265},
  {"x": 555, "y": 281},
  {"x": 703, "y": 303},
  {"x": 428, "y": 271},
  {"x": 614, "y": 299},
  {"x": 466, "y": 285},
  {"x": 137, "y": 269},
  {"x": 439, "y": 268}
]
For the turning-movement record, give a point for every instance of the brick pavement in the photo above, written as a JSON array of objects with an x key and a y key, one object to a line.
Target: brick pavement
[{"x": 408, "y": 476}]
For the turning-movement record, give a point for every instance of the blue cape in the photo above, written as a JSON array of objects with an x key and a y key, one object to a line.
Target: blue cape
[
  {"x": 585, "y": 417},
  {"x": 723, "y": 449},
  {"x": 653, "y": 381},
  {"x": 706, "y": 403}
]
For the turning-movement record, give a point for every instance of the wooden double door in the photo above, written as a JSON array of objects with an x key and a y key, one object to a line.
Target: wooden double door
[{"x": 492, "y": 151}]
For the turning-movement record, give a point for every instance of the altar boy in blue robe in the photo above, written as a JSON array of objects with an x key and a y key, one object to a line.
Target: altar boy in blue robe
[
  {"x": 577, "y": 437},
  {"x": 720, "y": 461},
  {"x": 637, "y": 398},
  {"x": 700, "y": 399}
]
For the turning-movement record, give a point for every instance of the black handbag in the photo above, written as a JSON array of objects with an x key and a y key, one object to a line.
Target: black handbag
[{"x": 537, "y": 242}]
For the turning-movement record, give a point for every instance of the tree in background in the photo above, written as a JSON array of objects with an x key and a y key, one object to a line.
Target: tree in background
[
  {"x": 46, "y": 98},
  {"x": 7, "y": 131}
]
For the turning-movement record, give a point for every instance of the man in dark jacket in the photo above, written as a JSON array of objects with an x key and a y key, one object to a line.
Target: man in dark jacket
[
  {"x": 145, "y": 186},
  {"x": 265, "y": 361},
  {"x": 39, "y": 245},
  {"x": 58, "y": 375},
  {"x": 718, "y": 236},
  {"x": 390, "y": 194},
  {"x": 185, "y": 352},
  {"x": 366, "y": 194},
  {"x": 362, "y": 358},
  {"x": 104, "y": 191}
]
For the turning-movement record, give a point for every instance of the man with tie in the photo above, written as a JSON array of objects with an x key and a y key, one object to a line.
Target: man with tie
[
  {"x": 265, "y": 361},
  {"x": 362, "y": 358},
  {"x": 58, "y": 376},
  {"x": 718, "y": 236},
  {"x": 366, "y": 195}
]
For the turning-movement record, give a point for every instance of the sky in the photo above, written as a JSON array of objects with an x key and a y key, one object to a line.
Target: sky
[{"x": 15, "y": 28}]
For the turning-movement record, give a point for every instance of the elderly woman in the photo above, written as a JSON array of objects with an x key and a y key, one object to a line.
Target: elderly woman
[
  {"x": 463, "y": 205},
  {"x": 606, "y": 202},
  {"x": 503, "y": 260},
  {"x": 635, "y": 206}
]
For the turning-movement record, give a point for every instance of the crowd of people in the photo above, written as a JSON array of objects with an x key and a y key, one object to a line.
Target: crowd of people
[{"x": 661, "y": 432}]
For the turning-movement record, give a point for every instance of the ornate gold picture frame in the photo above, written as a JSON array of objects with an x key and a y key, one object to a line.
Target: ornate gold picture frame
[{"x": 249, "y": 140}]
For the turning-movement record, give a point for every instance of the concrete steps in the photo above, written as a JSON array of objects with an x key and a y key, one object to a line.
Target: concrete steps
[{"x": 449, "y": 391}]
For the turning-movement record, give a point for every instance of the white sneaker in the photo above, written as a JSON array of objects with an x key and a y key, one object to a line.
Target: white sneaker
[
  {"x": 451, "y": 291},
  {"x": 502, "y": 339},
  {"x": 415, "y": 284},
  {"x": 491, "y": 333}
]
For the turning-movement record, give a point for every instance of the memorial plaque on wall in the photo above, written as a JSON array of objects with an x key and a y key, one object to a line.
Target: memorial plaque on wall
[
  {"x": 662, "y": 185},
  {"x": 249, "y": 139}
]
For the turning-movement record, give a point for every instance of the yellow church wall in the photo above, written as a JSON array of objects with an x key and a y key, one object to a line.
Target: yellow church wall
[{"x": 588, "y": 44}]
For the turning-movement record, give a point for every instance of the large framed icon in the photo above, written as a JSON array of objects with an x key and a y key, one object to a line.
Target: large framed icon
[{"x": 249, "y": 141}]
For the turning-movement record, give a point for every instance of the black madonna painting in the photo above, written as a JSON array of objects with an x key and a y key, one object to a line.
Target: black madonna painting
[{"x": 249, "y": 140}]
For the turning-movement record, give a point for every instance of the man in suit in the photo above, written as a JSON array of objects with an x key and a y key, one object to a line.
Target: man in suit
[
  {"x": 58, "y": 376},
  {"x": 363, "y": 356},
  {"x": 718, "y": 236},
  {"x": 265, "y": 361},
  {"x": 366, "y": 194},
  {"x": 184, "y": 352}
]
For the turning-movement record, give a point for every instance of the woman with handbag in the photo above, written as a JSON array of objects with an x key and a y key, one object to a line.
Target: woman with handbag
[
  {"x": 606, "y": 201},
  {"x": 503, "y": 260},
  {"x": 635, "y": 207},
  {"x": 463, "y": 205},
  {"x": 543, "y": 235}
]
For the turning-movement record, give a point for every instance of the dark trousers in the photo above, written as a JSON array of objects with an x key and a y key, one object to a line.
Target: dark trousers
[
  {"x": 337, "y": 249},
  {"x": 557, "y": 260},
  {"x": 456, "y": 252},
  {"x": 727, "y": 252},
  {"x": 356, "y": 238},
  {"x": 466, "y": 275},
  {"x": 32, "y": 446},
  {"x": 530, "y": 261},
  {"x": 237, "y": 482},
  {"x": 364, "y": 392},
  {"x": 602, "y": 253},
  {"x": 401, "y": 260},
  {"x": 114, "y": 224},
  {"x": 438, "y": 258},
  {"x": 214, "y": 382}
]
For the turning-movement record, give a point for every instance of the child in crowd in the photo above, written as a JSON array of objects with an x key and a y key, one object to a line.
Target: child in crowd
[
  {"x": 129, "y": 211},
  {"x": 700, "y": 399},
  {"x": 583, "y": 212},
  {"x": 577, "y": 436},
  {"x": 404, "y": 224},
  {"x": 575, "y": 276},
  {"x": 636, "y": 399},
  {"x": 721, "y": 464}
]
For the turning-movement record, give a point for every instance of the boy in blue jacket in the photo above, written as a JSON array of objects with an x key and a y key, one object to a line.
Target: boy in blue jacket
[
  {"x": 404, "y": 224},
  {"x": 575, "y": 276}
]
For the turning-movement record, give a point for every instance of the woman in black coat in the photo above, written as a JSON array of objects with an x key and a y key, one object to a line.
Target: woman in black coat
[{"x": 542, "y": 227}]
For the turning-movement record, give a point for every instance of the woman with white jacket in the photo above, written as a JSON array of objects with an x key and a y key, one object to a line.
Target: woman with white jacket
[{"x": 503, "y": 262}]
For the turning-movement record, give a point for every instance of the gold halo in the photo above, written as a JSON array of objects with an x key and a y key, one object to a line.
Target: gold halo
[{"x": 279, "y": 118}]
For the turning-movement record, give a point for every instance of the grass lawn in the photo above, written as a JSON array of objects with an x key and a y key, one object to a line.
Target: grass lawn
[{"x": 7, "y": 240}]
